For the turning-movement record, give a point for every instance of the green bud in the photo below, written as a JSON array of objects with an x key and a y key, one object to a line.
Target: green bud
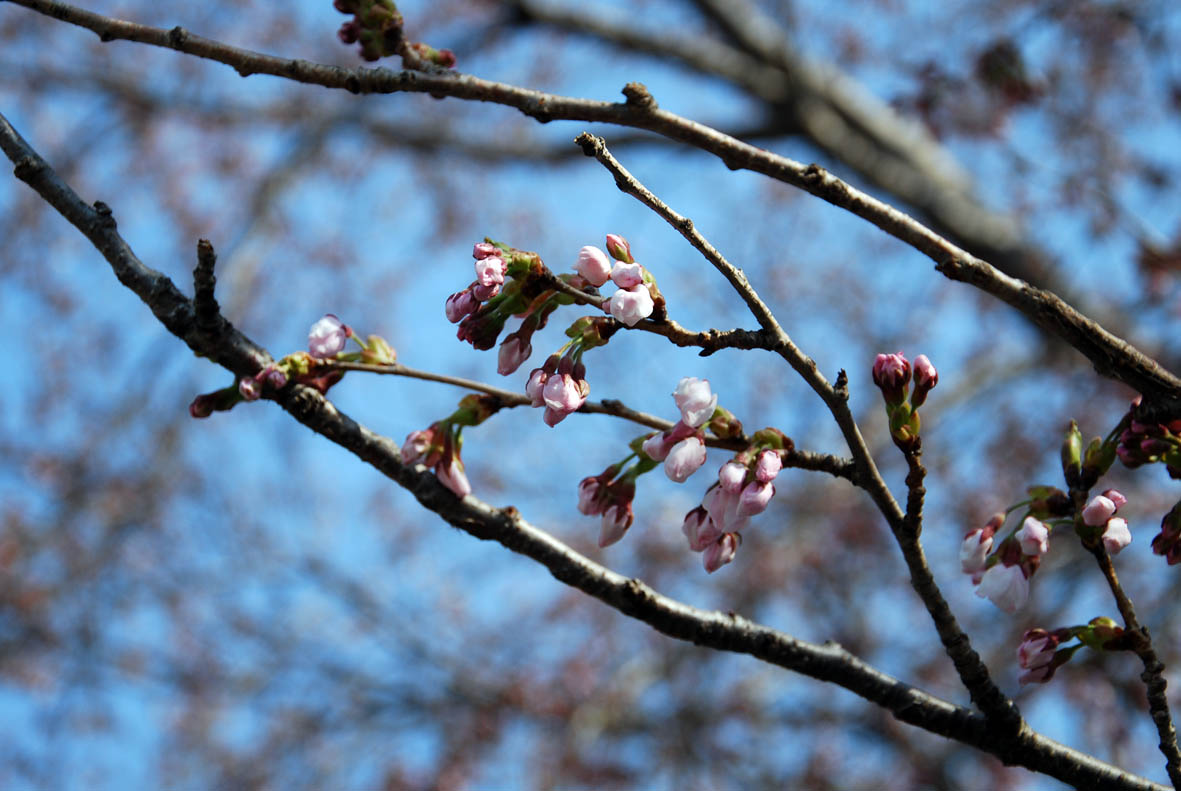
[{"x": 1072, "y": 455}]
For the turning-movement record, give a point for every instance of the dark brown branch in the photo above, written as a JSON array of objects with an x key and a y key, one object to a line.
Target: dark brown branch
[
  {"x": 724, "y": 632},
  {"x": 1112, "y": 356}
]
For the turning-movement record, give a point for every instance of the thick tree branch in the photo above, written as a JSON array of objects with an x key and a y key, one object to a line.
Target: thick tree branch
[{"x": 828, "y": 662}]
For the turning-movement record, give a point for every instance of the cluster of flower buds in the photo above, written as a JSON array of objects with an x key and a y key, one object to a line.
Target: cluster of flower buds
[
  {"x": 743, "y": 489},
  {"x": 1148, "y": 443},
  {"x": 1001, "y": 570},
  {"x": 610, "y": 494},
  {"x": 1099, "y": 515},
  {"x": 892, "y": 375},
  {"x": 1041, "y": 651},
  {"x": 560, "y": 386},
  {"x": 377, "y": 25},
  {"x": 438, "y": 446},
  {"x": 682, "y": 448},
  {"x": 636, "y": 296},
  {"x": 1168, "y": 541},
  {"x": 326, "y": 341}
]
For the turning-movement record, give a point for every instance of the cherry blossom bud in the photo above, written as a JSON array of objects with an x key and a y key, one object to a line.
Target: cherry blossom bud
[
  {"x": 891, "y": 373},
  {"x": 685, "y": 458},
  {"x": 1034, "y": 537},
  {"x": 484, "y": 250},
  {"x": 656, "y": 447},
  {"x": 974, "y": 551},
  {"x": 720, "y": 552},
  {"x": 512, "y": 354},
  {"x": 327, "y": 337},
  {"x": 1004, "y": 586},
  {"x": 723, "y": 509},
  {"x": 618, "y": 247},
  {"x": 1116, "y": 535},
  {"x": 535, "y": 386},
  {"x": 627, "y": 275},
  {"x": 1036, "y": 656},
  {"x": 695, "y": 400},
  {"x": 490, "y": 271},
  {"x": 250, "y": 388},
  {"x": 631, "y": 305},
  {"x": 1098, "y": 511},
  {"x": 274, "y": 377},
  {"x": 589, "y": 502},
  {"x": 754, "y": 498},
  {"x": 416, "y": 446},
  {"x": 700, "y": 529},
  {"x": 593, "y": 265},
  {"x": 616, "y": 520},
  {"x": 203, "y": 405},
  {"x": 453, "y": 477},
  {"x": 1117, "y": 499},
  {"x": 552, "y": 417},
  {"x": 562, "y": 393},
  {"x": 925, "y": 378},
  {"x": 459, "y": 305},
  {"x": 732, "y": 476},
  {"x": 483, "y": 293},
  {"x": 768, "y": 466}
]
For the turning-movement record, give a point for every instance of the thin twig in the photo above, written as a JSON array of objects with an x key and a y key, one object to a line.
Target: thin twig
[{"x": 1112, "y": 356}]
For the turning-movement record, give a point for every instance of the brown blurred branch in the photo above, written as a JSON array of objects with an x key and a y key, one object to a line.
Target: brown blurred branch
[
  {"x": 1112, "y": 356},
  {"x": 828, "y": 662}
]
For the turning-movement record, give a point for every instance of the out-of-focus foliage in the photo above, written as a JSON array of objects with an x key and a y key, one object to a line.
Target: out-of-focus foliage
[{"x": 235, "y": 603}]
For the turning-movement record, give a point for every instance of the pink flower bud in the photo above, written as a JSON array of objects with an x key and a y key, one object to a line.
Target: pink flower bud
[
  {"x": 1034, "y": 537},
  {"x": 685, "y": 458},
  {"x": 768, "y": 466},
  {"x": 1098, "y": 511},
  {"x": 512, "y": 354},
  {"x": 925, "y": 378},
  {"x": 327, "y": 337},
  {"x": 720, "y": 552},
  {"x": 552, "y": 417},
  {"x": 275, "y": 378},
  {"x": 593, "y": 265},
  {"x": 250, "y": 388},
  {"x": 627, "y": 275},
  {"x": 656, "y": 447},
  {"x": 754, "y": 498},
  {"x": 1116, "y": 535},
  {"x": 483, "y": 250},
  {"x": 695, "y": 400},
  {"x": 535, "y": 386},
  {"x": 732, "y": 476},
  {"x": 616, "y": 520},
  {"x": 618, "y": 247},
  {"x": 453, "y": 477},
  {"x": 483, "y": 293},
  {"x": 723, "y": 509},
  {"x": 202, "y": 405},
  {"x": 1117, "y": 499},
  {"x": 589, "y": 502},
  {"x": 631, "y": 305},
  {"x": 1004, "y": 586},
  {"x": 416, "y": 446},
  {"x": 974, "y": 551},
  {"x": 460, "y": 304},
  {"x": 1036, "y": 655},
  {"x": 700, "y": 529},
  {"x": 490, "y": 271},
  {"x": 562, "y": 394},
  {"x": 891, "y": 373}
]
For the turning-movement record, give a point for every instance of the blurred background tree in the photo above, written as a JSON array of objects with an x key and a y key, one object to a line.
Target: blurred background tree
[{"x": 235, "y": 603}]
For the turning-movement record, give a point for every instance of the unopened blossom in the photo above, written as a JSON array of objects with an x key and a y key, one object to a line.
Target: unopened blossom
[
  {"x": 925, "y": 378},
  {"x": 490, "y": 271},
  {"x": 1117, "y": 499},
  {"x": 732, "y": 476},
  {"x": 656, "y": 447},
  {"x": 274, "y": 377},
  {"x": 589, "y": 501},
  {"x": 627, "y": 275},
  {"x": 1035, "y": 655},
  {"x": 616, "y": 520},
  {"x": 561, "y": 393},
  {"x": 891, "y": 373},
  {"x": 250, "y": 388},
  {"x": 594, "y": 265},
  {"x": 416, "y": 446},
  {"x": 618, "y": 247},
  {"x": 512, "y": 354},
  {"x": 327, "y": 337},
  {"x": 1098, "y": 511},
  {"x": 1034, "y": 536},
  {"x": 720, "y": 552},
  {"x": 632, "y": 305},
  {"x": 685, "y": 458},
  {"x": 699, "y": 529},
  {"x": 723, "y": 509},
  {"x": 1116, "y": 535},
  {"x": 483, "y": 250},
  {"x": 768, "y": 466},
  {"x": 535, "y": 386},
  {"x": 451, "y": 474},
  {"x": 696, "y": 400},
  {"x": 973, "y": 553},
  {"x": 1004, "y": 586},
  {"x": 754, "y": 498}
]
